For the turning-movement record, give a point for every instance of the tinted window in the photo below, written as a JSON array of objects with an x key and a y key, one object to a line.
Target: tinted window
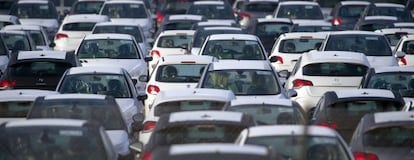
[
  {"x": 402, "y": 82},
  {"x": 125, "y": 10},
  {"x": 372, "y": 26},
  {"x": 234, "y": 49},
  {"x": 261, "y": 7},
  {"x": 358, "y": 108},
  {"x": 84, "y": 26},
  {"x": 175, "y": 41},
  {"x": 271, "y": 29},
  {"x": 299, "y": 45},
  {"x": 187, "y": 105},
  {"x": 179, "y": 26},
  {"x": 300, "y": 12},
  {"x": 176, "y": 6},
  {"x": 351, "y": 11},
  {"x": 201, "y": 35},
  {"x": 271, "y": 114},
  {"x": 108, "y": 48},
  {"x": 16, "y": 42},
  {"x": 34, "y": 10},
  {"x": 334, "y": 69},
  {"x": 370, "y": 45},
  {"x": 179, "y": 73},
  {"x": 408, "y": 47},
  {"x": 394, "y": 136},
  {"x": 66, "y": 3},
  {"x": 32, "y": 69},
  {"x": 14, "y": 109},
  {"x": 38, "y": 38},
  {"x": 395, "y": 38},
  {"x": 87, "y": 7},
  {"x": 134, "y": 31},
  {"x": 399, "y": 12},
  {"x": 212, "y": 11}
]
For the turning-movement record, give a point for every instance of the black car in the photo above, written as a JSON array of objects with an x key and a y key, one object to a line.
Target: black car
[
  {"x": 342, "y": 110},
  {"x": 345, "y": 14},
  {"x": 37, "y": 69},
  {"x": 384, "y": 136}
]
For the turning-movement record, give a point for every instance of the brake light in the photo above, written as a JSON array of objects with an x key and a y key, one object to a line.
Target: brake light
[
  {"x": 329, "y": 125},
  {"x": 244, "y": 15},
  {"x": 153, "y": 89},
  {"x": 160, "y": 17},
  {"x": 403, "y": 61},
  {"x": 149, "y": 125},
  {"x": 298, "y": 83},
  {"x": 365, "y": 156},
  {"x": 61, "y": 35},
  {"x": 279, "y": 59},
  {"x": 155, "y": 52},
  {"x": 4, "y": 84},
  {"x": 146, "y": 156},
  {"x": 336, "y": 21}
]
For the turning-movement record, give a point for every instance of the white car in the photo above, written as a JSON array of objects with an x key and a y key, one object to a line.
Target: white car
[
  {"x": 74, "y": 28},
  {"x": 188, "y": 99},
  {"x": 290, "y": 46},
  {"x": 303, "y": 10},
  {"x": 117, "y": 50},
  {"x": 130, "y": 11},
  {"x": 406, "y": 45},
  {"x": 288, "y": 140},
  {"x": 6, "y": 20},
  {"x": 394, "y": 35},
  {"x": 124, "y": 28},
  {"x": 203, "y": 32},
  {"x": 38, "y": 34},
  {"x": 317, "y": 72},
  {"x": 113, "y": 81},
  {"x": 168, "y": 43},
  {"x": 15, "y": 104},
  {"x": 174, "y": 72}
]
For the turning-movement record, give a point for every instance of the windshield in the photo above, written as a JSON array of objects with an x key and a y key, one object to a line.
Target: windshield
[
  {"x": 124, "y": 10},
  {"x": 393, "y": 136},
  {"x": 234, "y": 49},
  {"x": 212, "y": 11},
  {"x": 265, "y": 114},
  {"x": 106, "y": 84},
  {"x": 34, "y": 10},
  {"x": 299, "y": 45},
  {"x": 261, "y": 7},
  {"x": 300, "y": 12},
  {"x": 179, "y": 73},
  {"x": 100, "y": 111},
  {"x": 108, "y": 48},
  {"x": 14, "y": 109},
  {"x": 243, "y": 82},
  {"x": 87, "y": 7},
  {"x": 334, "y": 69},
  {"x": 272, "y": 29},
  {"x": 82, "y": 26},
  {"x": 402, "y": 82},
  {"x": 351, "y": 11},
  {"x": 370, "y": 45},
  {"x": 133, "y": 31},
  {"x": 174, "y": 41},
  {"x": 38, "y": 68},
  {"x": 51, "y": 142},
  {"x": 16, "y": 42},
  {"x": 187, "y": 105}
]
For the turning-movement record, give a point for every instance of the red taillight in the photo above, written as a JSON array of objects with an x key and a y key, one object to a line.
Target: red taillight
[
  {"x": 160, "y": 17},
  {"x": 365, "y": 156},
  {"x": 149, "y": 125},
  {"x": 146, "y": 156},
  {"x": 4, "y": 84},
  {"x": 336, "y": 21},
  {"x": 279, "y": 59},
  {"x": 61, "y": 35},
  {"x": 298, "y": 83},
  {"x": 403, "y": 61},
  {"x": 155, "y": 53},
  {"x": 329, "y": 125},
  {"x": 153, "y": 89},
  {"x": 244, "y": 15}
]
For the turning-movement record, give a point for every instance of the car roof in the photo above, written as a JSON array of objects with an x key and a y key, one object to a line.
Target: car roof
[
  {"x": 22, "y": 27},
  {"x": 284, "y": 20},
  {"x": 290, "y": 130},
  {"x": 208, "y": 3},
  {"x": 384, "y": 117},
  {"x": 373, "y": 121},
  {"x": 388, "y": 5},
  {"x": 260, "y": 100},
  {"x": 185, "y": 17},
  {"x": 212, "y": 22},
  {"x": 46, "y": 122},
  {"x": 49, "y": 54},
  {"x": 394, "y": 69},
  {"x": 233, "y": 37},
  {"x": 123, "y": 1},
  {"x": 371, "y": 18},
  {"x": 177, "y": 32},
  {"x": 240, "y": 64},
  {"x": 312, "y": 23},
  {"x": 395, "y": 30},
  {"x": 23, "y": 94},
  {"x": 85, "y": 18},
  {"x": 90, "y": 70},
  {"x": 263, "y": 1},
  {"x": 117, "y": 23},
  {"x": 403, "y": 24},
  {"x": 186, "y": 58},
  {"x": 408, "y": 37},
  {"x": 310, "y": 35},
  {"x": 205, "y": 116},
  {"x": 217, "y": 148},
  {"x": 298, "y": 3},
  {"x": 346, "y": 95},
  {"x": 109, "y": 36},
  {"x": 13, "y": 32},
  {"x": 354, "y": 3},
  {"x": 221, "y": 28},
  {"x": 33, "y": 1},
  {"x": 75, "y": 96},
  {"x": 194, "y": 94},
  {"x": 8, "y": 18},
  {"x": 354, "y": 32},
  {"x": 334, "y": 56}
]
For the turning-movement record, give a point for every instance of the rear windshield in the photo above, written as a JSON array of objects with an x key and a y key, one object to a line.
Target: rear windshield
[
  {"x": 180, "y": 73},
  {"x": 370, "y": 45},
  {"x": 30, "y": 69},
  {"x": 179, "y": 26},
  {"x": 399, "y": 12},
  {"x": 272, "y": 29},
  {"x": 134, "y": 31},
  {"x": 300, "y": 12},
  {"x": 38, "y": 38},
  {"x": 125, "y": 10},
  {"x": 34, "y": 10},
  {"x": 359, "y": 108},
  {"x": 271, "y": 114},
  {"x": 234, "y": 49},
  {"x": 261, "y": 7},
  {"x": 212, "y": 11},
  {"x": 299, "y": 45},
  {"x": 14, "y": 109},
  {"x": 334, "y": 69},
  {"x": 16, "y": 42},
  {"x": 87, "y": 7},
  {"x": 174, "y": 41},
  {"x": 84, "y": 26},
  {"x": 187, "y": 105},
  {"x": 108, "y": 48},
  {"x": 176, "y": 6},
  {"x": 395, "y": 38},
  {"x": 402, "y": 82},
  {"x": 351, "y": 11},
  {"x": 202, "y": 35},
  {"x": 395, "y": 136},
  {"x": 372, "y": 26}
]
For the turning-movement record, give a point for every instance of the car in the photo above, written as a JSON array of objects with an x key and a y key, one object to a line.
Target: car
[
  {"x": 394, "y": 35},
  {"x": 6, "y": 20},
  {"x": 86, "y": 7},
  {"x": 267, "y": 111},
  {"x": 372, "y": 23},
  {"x": 74, "y": 28},
  {"x": 234, "y": 46},
  {"x": 37, "y": 69},
  {"x": 383, "y": 135},
  {"x": 215, "y": 150},
  {"x": 219, "y": 11},
  {"x": 101, "y": 109},
  {"x": 374, "y": 45},
  {"x": 37, "y": 33},
  {"x": 254, "y": 9},
  {"x": 186, "y": 99},
  {"x": 197, "y": 127},
  {"x": 269, "y": 29},
  {"x": 55, "y": 139},
  {"x": 130, "y": 11},
  {"x": 343, "y": 109},
  {"x": 297, "y": 141},
  {"x": 345, "y": 14},
  {"x": 113, "y": 81},
  {"x": 312, "y": 26},
  {"x": 41, "y": 12},
  {"x": 170, "y": 42},
  {"x": 406, "y": 45},
  {"x": 388, "y": 9},
  {"x": 303, "y": 10},
  {"x": 245, "y": 78},
  {"x": 117, "y": 50},
  {"x": 201, "y": 33},
  {"x": 317, "y": 72},
  {"x": 15, "y": 104},
  {"x": 174, "y": 72},
  {"x": 18, "y": 41},
  {"x": 290, "y": 46},
  {"x": 125, "y": 28},
  {"x": 179, "y": 22}
]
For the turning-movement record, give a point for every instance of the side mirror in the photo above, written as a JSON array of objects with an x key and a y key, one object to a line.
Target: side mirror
[
  {"x": 284, "y": 74},
  {"x": 399, "y": 54},
  {"x": 143, "y": 78},
  {"x": 273, "y": 59},
  {"x": 292, "y": 93},
  {"x": 147, "y": 59},
  {"x": 142, "y": 97},
  {"x": 52, "y": 45}
]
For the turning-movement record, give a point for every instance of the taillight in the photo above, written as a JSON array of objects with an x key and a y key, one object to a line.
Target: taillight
[
  {"x": 279, "y": 59},
  {"x": 149, "y": 125},
  {"x": 4, "y": 84},
  {"x": 329, "y": 125},
  {"x": 153, "y": 89},
  {"x": 336, "y": 21},
  {"x": 244, "y": 15},
  {"x": 365, "y": 156},
  {"x": 298, "y": 83},
  {"x": 61, "y": 35},
  {"x": 155, "y": 53},
  {"x": 403, "y": 61},
  {"x": 146, "y": 156},
  {"x": 160, "y": 17}
]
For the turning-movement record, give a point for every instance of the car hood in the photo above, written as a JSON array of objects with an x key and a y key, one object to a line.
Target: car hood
[
  {"x": 48, "y": 23},
  {"x": 128, "y": 64},
  {"x": 380, "y": 61},
  {"x": 399, "y": 153},
  {"x": 120, "y": 141}
]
